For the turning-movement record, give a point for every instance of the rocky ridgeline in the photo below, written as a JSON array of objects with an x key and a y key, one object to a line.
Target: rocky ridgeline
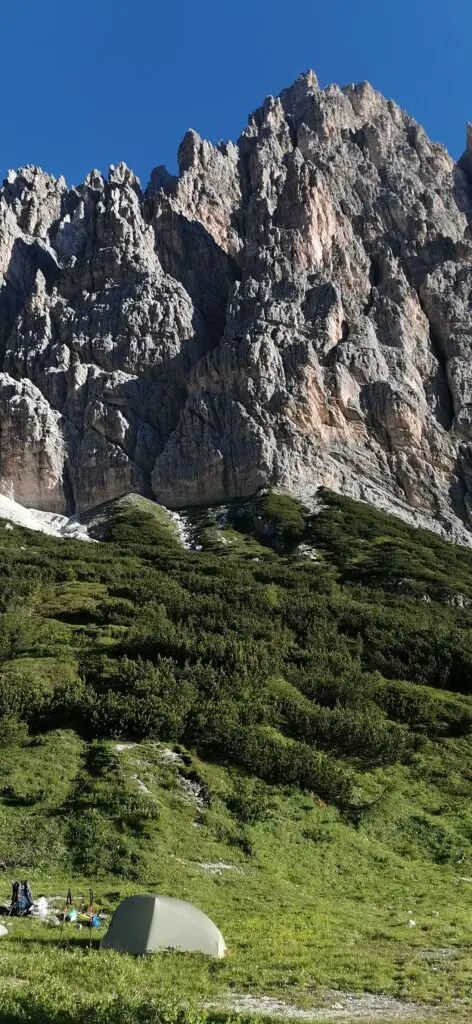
[{"x": 293, "y": 310}]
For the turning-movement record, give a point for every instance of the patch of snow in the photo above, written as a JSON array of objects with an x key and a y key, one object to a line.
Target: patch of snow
[
  {"x": 124, "y": 746},
  {"x": 46, "y": 522}
]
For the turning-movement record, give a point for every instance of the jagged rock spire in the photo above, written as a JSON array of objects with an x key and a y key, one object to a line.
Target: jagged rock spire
[{"x": 293, "y": 309}]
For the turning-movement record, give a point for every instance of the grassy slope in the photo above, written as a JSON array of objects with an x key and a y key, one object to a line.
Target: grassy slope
[
  {"x": 314, "y": 901},
  {"x": 316, "y": 904}
]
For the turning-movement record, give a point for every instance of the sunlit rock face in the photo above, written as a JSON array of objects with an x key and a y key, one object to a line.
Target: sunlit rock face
[{"x": 294, "y": 310}]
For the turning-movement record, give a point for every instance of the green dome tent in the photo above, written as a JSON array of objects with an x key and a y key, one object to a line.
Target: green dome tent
[{"x": 142, "y": 924}]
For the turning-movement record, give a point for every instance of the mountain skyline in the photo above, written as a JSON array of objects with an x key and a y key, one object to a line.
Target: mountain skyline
[{"x": 127, "y": 87}]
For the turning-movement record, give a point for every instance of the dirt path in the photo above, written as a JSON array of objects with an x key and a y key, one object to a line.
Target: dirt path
[{"x": 361, "y": 1006}]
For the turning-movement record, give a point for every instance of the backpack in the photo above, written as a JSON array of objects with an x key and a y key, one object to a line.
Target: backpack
[{"x": 21, "y": 899}]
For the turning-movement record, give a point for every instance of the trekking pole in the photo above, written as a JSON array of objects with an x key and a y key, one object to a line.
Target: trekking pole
[
  {"x": 68, "y": 903},
  {"x": 90, "y": 917},
  {"x": 14, "y": 897}
]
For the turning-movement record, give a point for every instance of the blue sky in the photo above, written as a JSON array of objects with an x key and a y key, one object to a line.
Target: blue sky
[{"x": 87, "y": 85}]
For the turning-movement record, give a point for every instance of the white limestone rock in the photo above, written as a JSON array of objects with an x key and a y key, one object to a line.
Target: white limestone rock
[{"x": 292, "y": 310}]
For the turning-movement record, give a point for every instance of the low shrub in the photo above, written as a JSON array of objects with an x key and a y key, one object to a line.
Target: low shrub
[
  {"x": 249, "y": 801},
  {"x": 101, "y": 806},
  {"x": 425, "y": 711}
]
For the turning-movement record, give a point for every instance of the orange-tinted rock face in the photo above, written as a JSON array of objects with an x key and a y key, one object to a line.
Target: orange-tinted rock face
[{"x": 293, "y": 310}]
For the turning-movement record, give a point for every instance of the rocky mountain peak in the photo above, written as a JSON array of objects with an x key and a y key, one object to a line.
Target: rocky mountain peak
[{"x": 292, "y": 310}]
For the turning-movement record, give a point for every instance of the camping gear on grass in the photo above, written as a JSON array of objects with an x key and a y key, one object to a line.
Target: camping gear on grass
[
  {"x": 21, "y": 899},
  {"x": 91, "y": 920},
  {"x": 67, "y": 912},
  {"x": 142, "y": 924},
  {"x": 40, "y": 907}
]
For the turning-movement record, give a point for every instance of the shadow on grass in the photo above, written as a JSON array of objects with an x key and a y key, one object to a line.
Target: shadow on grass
[
  {"x": 115, "y": 1011},
  {"x": 54, "y": 939}
]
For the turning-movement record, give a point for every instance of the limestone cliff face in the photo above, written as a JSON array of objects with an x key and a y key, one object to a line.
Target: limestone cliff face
[{"x": 293, "y": 310}]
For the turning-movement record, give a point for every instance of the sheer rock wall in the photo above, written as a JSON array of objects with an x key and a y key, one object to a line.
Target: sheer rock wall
[{"x": 293, "y": 310}]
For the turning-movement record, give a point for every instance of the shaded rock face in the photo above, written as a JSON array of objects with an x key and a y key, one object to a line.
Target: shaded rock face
[{"x": 294, "y": 310}]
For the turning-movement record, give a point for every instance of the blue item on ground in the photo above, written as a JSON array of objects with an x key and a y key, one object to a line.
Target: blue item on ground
[{"x": 21, "y": 899}]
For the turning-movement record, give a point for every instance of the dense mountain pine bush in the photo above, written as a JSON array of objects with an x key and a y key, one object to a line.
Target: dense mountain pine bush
[{"x": 302, "y": 664}]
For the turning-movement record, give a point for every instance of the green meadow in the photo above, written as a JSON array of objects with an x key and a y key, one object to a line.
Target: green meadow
[{"x": 275, "y": 727}]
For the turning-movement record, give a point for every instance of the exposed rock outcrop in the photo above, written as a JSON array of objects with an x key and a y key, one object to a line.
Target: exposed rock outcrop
[{"x": 293, "y": 310}]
